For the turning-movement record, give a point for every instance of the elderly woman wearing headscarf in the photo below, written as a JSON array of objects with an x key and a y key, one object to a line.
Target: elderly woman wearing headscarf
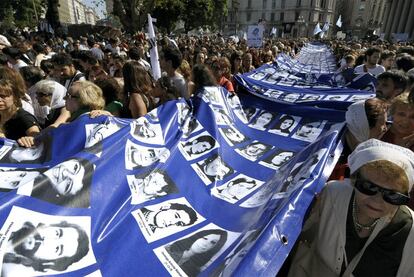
[
  {"x": 361, "y": 226},
  {"x": 50, "y": 96},
  {"x": 364, "y": 120}
]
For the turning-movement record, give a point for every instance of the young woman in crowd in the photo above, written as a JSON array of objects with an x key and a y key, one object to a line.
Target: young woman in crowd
[{"x": 112, "y": 93}]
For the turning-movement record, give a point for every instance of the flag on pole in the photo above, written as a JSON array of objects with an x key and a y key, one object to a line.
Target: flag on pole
[
  {"x": 273, "y": 32},
  {"x": 339, "y": 22},
  {"x": 155, "y": 63},
  {"x": 325, "y": 27},
  {"x": 317, "y": 29}
]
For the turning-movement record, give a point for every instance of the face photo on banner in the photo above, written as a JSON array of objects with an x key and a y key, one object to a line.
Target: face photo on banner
[
  {"x": 272, "y": 93},
  {"x": 254, "y": 150},
  {"x": 65, "y": 184},
  {"x": 187, "y": 122},
  {"x": 32, "y": 243},
  {"x": 221, "y": 116},
  {"x": 301, "y": 173},
  {"x": 40, "y": 153},
  {"x": 285, "y": 125},
  {"x": 289, "y": 97},
  {"x": 263, "y": 120},
  {"x": 198, "y": 146},
  {"x": 260, "y": 197},
  {"x": 278, "y": 159},
  {"x": 166, "y": 218},
  {"x": 150, "y": 185},
  {"x": 309, "y": 130},
  {"x": 13, "y": 178},
  {"x": 309, "y": 98},
  {"x": 232, "y": 136},
  {"x": 143, "y": 130},
  {"x": 153, "y": 115},
  {"x": 192, "y": 254},
  {"x": 270, "y": 70},
  {"x": 258, "y": 75},
  {"x": 338, "y": 97},
  {"x": 236, "y": 189},
  {"x": 98, "y": 132},
  {"x": 212, "y": 169},
  {"x": 138, "y": 156},
  {"x": 213, "y": 95}
]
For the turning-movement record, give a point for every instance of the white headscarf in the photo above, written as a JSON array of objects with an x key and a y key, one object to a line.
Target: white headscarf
[
  {"x": 357, "y": 121},
  {"x": 375, "y": 150},
  {"x": 59, "y": 93}
]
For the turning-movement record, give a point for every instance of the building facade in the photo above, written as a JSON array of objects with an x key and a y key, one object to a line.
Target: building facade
[
  {"x": 75, "y": 12},
  {"x": 398, "y": 19},
  {"x": 292, "y": 18}
]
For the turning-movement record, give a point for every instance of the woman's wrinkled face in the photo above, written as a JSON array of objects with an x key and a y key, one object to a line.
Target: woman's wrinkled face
[
  {"x": 380, "y": 127},
  {"x": 72, "y": 98},
  {"x": 6, "y": 101},
  {"x": 403, "y": 120},
  {"x": 44, "y": 98}
]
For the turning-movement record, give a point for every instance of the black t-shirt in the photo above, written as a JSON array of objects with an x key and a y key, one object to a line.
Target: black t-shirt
[
  {"x": 383, "y": 256},
  {"x": 52, "y": 116},
  {"x": 16, "y": 126}
]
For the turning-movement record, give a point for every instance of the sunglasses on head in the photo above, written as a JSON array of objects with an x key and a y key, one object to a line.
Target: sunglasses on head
[
  {"x": 392, "y": 197},
  {"x": 42, "y": 94}
]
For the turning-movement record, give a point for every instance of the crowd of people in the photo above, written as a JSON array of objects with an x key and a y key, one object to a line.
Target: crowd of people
[{"x": 49, "y": 81}]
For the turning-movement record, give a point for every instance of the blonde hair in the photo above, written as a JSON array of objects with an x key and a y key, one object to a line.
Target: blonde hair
[
  {"x": 401, "y": 100},
  {"x": 90, "y": 95},
  {"x": 389, "y": 171}
]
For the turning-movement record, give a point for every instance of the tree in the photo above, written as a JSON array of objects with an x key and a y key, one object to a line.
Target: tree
[
  {"x": 52, "y": 13},
  {"x": 132, "y": 13},
  {"x": 167, "y": 12},
  {"x": 21, "y": 13}
]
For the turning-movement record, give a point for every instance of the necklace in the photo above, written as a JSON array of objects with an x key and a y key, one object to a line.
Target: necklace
[{"x": 358, "y": 226}]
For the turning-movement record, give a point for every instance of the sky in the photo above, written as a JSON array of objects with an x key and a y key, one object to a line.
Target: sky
[{"x": 101, "y": 8}]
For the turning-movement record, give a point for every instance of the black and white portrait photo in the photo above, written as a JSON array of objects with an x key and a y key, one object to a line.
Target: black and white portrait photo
[
  {"x": 65, "y": 184},
  {"x": 254, "y": 150},
  {"x": 149, "y": 186},
  {"x": 309, "y": 130},
  {"x": 260, "y": 196},
  {"x": 191, "y": 255},
  {"x": 187, "y": 122},
  {"x": 338, "y": 97},
  {"x": 40, "y": 153},
  {"x": 138, "y": 156},
  {"x": 263, "y": 120},
  {"x": 285, "y": 125},
  {"x": 309, "y": 98},
  {"x": 164, "y": 219},
  {"x": 13, "y": 178},
  {"x": 212, "y": 169},
  {"x": 272, "y": 93},
  {"x": 245, "y": 114},
  {"x": 35, "y": 244},
  {"x": 213, "y": 95},
  {"x": 278, "y": 159},
  {"x": 236, "y": 189},
  {"x": 98, "y": 132},
  {"x": 258, "y": 75},
  {"x": 198, "y": 146},
  {"x": 221, "y": 116},
  {"x": 143, "y": 130},
  {"x": 289, "y": 97},
  {"x": 232, "y": 135}
]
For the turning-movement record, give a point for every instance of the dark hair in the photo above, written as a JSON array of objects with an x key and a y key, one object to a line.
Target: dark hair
[
  {"x": 111, "y": 89},
  {"x": 133, "y": 53},
  {"x": 371, "y": 51},
  {"x": 405, "y": 62},
  {"x": 60, "y": 264},
  {"x": 87, "y": 57},
  {"x": 265, "y": 126},
  {"x": 17, "y": 83},
  {"x": 47, "y": 66},
  {"x": 374, "y": 108},
  {"x": 174, "y": 55},
  {"x": 398, "y": 77},
  {"x": 39, "y": 48},
  {"x": 32, "y": 74},
  {"x": 191, "y": 213},
  {"x": 386, "y": 54},
  {"x": 204, "y": 138},
  {"x": 202, "y": 77},
  {"x": 169, "y": 188},
  {"x": 44, "y": 190},
  {"x": 62, "y": 59},
  {"x": 282, "y": 119},
  {"x": 136, "y": 79},
  {"x": 194, "y": 265}
]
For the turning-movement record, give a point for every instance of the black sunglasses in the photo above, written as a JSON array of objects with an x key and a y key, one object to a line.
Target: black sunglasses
[
  {"x": 42, "y": 94},
  {"x": 389, "y": 196}
]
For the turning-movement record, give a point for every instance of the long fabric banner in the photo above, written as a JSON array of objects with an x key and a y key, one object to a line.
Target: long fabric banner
[{"x": 214, "y": 186}]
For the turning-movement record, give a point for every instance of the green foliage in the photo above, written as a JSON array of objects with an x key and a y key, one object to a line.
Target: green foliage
[
  {"x": 167, "y": 12},
  {"x": 20, "y": 13}
]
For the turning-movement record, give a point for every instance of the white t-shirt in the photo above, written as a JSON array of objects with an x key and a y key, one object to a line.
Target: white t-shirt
[
  {"x": 377, "y": 70},
  {"x": 181, "y": 85}
]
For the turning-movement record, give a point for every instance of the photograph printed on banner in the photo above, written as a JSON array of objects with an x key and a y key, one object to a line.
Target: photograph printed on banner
[
  {"x": 300, "y": 173},
  {"x": 309, "y": 130},
  {"x": 40, "y": 153},
  {"x": 161, "y": 220},
  {"x": 197, "y": 146},
  {"x": 138, "y": 156},
  {"x": 254, "y": 150},
  {"x": 13, "y": 178},
  {"x": 144, "y": 131},
  {"x": 236, "y": 189},
  {"x": 65, "y": 184},
  {"x": 356, "y": 98},
  {"x": 192, "y": 254},
  {"x": 245, "y": 114},
  {"x": 153, "y": 115},
  {"x": 260, "y": 197},
  {"x": 278, "y": 159},
  {"x": 263, "y": 120},
  {"x": 221, "y": 116},
  {"x": 289, "y": 97},
  {"x": 212, "y": 169},
  {"x": 272, "y": 93},
  {"x": 36, "y": 244},
  {"x": 338, "y": 97},
  {"x": 258, "y": 75},
  {"x": 270, "y": 70},
  {"x": 212, "y": 95},
  {"x": 285, "y": 125},
  {"x": 97, "y": 132},
  {"x": 150, "y": 185},
  {"x": 232, "y": 135},
  {"x": 309, "y": 98},
  {"x": 187, "y": 123}
]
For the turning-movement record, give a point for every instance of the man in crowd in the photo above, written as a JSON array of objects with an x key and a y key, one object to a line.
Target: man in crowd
[
  {"x": 66, "y": 67},
  {"x": 170, "y": 61},
  {"x": 391, "y": 84},
  {"x": 370, "y": 64}
]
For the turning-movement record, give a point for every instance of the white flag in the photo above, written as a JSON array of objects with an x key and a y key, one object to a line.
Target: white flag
[
  {"x": 339, "y": 22},
  {"x": 273, "y": 32},
  {"x": 325, "y": 27},
  {"x": 155, "y": 63},
  {"x": 317, "y": 29}
]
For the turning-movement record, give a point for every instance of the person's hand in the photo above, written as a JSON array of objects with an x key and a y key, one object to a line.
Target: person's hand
[
  {"x": 26, "y": 141},
  {"x": 96, "y": 113}
]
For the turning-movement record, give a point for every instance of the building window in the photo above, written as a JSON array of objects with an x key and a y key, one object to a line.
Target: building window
[
  {"x": 323, "y": 3},
  {"x": 282, "y": 16},
  {"x": 298, "y": 3},
  {"x": 264, "y": 16},
  {"x": 264, "y": 4},
  {"x": 272, "y": 17},
  {"x": 273, "y": 4},
  {"x": 297, "y": 15},
  {"x": 248, "y": 16},
  {"x": 320, "y": 17},
  {"x": 283, "y": 4},
  {"x": 362, "y": 7},
  {"x": 249, "y": 4}
]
